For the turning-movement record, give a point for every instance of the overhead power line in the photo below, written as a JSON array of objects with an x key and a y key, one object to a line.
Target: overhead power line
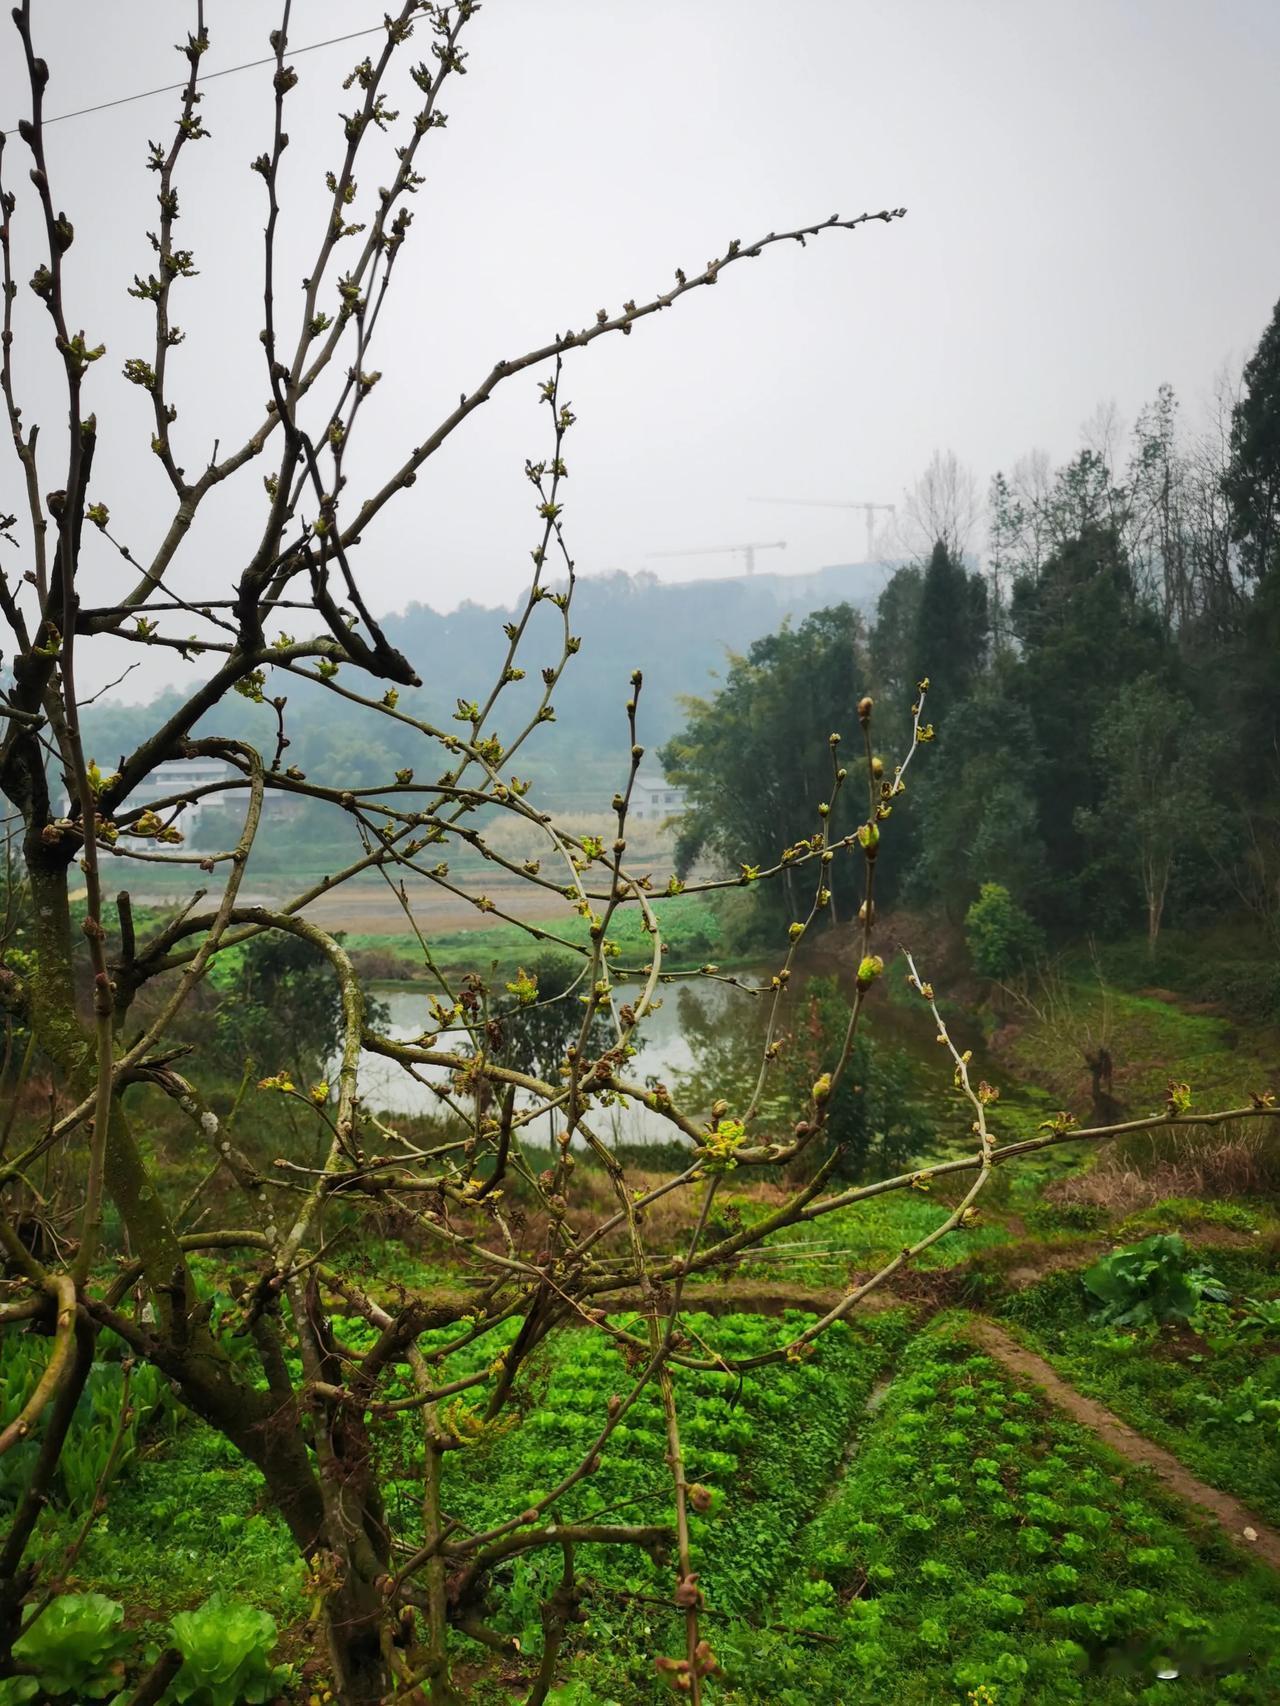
[{"x": 208, "y": 77}]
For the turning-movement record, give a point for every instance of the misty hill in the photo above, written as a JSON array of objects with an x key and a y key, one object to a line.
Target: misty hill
[{"x": 678, "y": 633}]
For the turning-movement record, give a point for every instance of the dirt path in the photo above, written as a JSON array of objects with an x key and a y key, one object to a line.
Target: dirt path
[{"x": 1237, "y": 1521}]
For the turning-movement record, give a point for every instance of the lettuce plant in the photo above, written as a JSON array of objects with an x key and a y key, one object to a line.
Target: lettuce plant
[
  {"x": 1150, "y": 1282},
  {"x": 225, "y": 1647},
  {"x": 75, "y": 1646}
]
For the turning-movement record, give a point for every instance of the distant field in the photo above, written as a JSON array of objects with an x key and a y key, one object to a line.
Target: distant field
[
  {"x": 370, "y": 912},
  {"x": 691, "y": 932}
]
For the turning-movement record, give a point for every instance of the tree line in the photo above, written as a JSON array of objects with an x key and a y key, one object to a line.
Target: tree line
[{"x": 1103, "y": 679}]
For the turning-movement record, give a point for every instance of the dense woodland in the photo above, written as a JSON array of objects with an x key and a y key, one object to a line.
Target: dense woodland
[{"x": 1103, "y": 681}]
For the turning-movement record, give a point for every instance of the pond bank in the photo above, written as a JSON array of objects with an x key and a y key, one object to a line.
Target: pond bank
[{"x": 703, "y": 1032}]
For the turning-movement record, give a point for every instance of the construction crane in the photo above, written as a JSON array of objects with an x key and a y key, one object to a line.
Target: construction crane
[
  {"x": 826, "y": 503},
  {"x": 747, "y": 551}
]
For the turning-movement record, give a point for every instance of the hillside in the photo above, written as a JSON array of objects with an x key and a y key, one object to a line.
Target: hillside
[{"x": 679, "y": 634}]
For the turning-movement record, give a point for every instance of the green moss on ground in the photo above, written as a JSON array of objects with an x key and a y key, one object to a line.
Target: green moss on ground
[{"x": 1151, "y": 1038}]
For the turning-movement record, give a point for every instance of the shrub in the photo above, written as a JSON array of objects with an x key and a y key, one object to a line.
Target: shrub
[
  {"x": 1001, "y": 936},
  {"x": 875, "y": 1119}
]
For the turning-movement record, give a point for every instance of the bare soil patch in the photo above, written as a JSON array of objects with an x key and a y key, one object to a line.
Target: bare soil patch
[{"x": 375, "y": 911}]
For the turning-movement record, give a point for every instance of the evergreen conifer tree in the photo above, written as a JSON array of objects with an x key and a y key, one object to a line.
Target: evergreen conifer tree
[{"x": 951, "y": 629}]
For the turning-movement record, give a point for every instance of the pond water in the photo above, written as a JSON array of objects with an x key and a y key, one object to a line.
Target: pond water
[
  {"x": 700, "y": 1032},
  {"x": 666, "y": 1053}
]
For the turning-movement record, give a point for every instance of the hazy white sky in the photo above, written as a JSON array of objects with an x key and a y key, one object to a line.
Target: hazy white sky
[{"x": 1093, "y": 210}]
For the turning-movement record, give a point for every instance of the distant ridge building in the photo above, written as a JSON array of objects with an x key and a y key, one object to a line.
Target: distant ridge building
[
  {"x": 653, "y": 798},
  {"x": 212, "y": 816}
]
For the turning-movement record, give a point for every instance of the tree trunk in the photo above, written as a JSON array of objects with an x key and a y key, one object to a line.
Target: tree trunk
[
  {"x": 1105, "y": 1107},
  {"x": 1157, "y": 887},
  {"x": 353, "y": 1619},
  {"x": 1155, "y": 911}
]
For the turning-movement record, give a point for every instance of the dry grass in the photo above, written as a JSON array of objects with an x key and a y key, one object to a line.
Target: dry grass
[{"x": 1212, "y": 1163}]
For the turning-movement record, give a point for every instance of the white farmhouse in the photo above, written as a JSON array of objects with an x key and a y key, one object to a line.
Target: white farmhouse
[
  {"x": 653, "y": 798},
  {"x": 180, "y": 776}
]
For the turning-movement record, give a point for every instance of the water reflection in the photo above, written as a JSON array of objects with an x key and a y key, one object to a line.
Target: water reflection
[
  {"x": 703, "y": 1041},
  {"x": 672, "y": 1050}
]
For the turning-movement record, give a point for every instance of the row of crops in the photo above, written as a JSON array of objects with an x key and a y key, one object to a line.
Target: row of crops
[{"x": 950, "y": 1540}]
